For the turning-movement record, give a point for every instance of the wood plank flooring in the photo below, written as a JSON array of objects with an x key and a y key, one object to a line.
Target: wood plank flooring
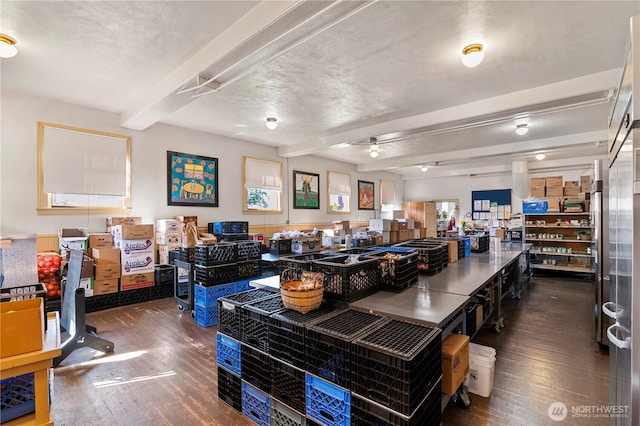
[{"x": 163, "y": 371}]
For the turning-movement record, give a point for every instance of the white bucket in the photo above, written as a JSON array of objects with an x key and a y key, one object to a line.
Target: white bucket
[{"x": 482, "y": 361}]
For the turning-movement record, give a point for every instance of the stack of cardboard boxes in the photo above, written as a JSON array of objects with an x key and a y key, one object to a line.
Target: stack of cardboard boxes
[
  {"x": 395, "y": 230},
  {"x": 562, "y": 196},
  {"x": 168, "y": 238},
  {"x": 106, "y": 264},
  {"x": 137, "y": 253}
]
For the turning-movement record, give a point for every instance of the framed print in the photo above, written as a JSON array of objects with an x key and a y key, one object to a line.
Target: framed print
[
  {"x": 365, "y": 195},
  {"x": 306, "y": 190},
  {"x": 192, "y": 180}
]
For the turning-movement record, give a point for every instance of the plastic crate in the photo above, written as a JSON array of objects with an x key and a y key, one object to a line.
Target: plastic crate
[
  {"x": 256, "y": 406},
  {"x": 397, "y": 266},
  {"x": 229, "y": 354},
  {"x": 281, "y": 415},
  {"x": 243, "y": 285},
  {"x": 231, "y": 238},
  {"x": 208, "y": 296},
  {"x": 328, "y": 343},
  {"x": 470, "y": 318},
  {"x": 257, "y": 368},
  {"x": 396, "y": 364},
  {"x": 348, "y": 282},
  {"x": 206, "y": 316},
  {"x": 229, "y": 389},
  {"x": 280, "y": 246},
  {"x": 300, "y": 262},
  {"x": 187, "y": 254},
  {"x": 327, "y": 403},
  {"x": 287, "y": 333},
  {"x": 101, "y": 302},
  {"x": 164, "y": 275},
  {"x": 216, "y": 254},
  {"x": 367, "y": 412},
  {"x": 215, "y": 275},
  {"x": 254, "y": 318},
  {"x": 358, "y": 251},
  {"x": 249, "y": 250},
  {"x": 479, "y": 243},
  {"x": 130, "y": 297},
  {"x": 17, "y": 397},
  {"x": 228, "y": 227},
  {"x": 288, "y": 385},
  {"x": 249, "y": 269},
  {"x": 228, "y": 316},
  {"x": 432, "y": 256},
  {"x": 160, "y": 291}
]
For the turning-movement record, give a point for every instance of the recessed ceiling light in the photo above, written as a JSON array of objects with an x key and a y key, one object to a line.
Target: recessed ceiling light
[
  {"x": 522, "y": 129},
  {"x": 424, "y": 168},
  {"x": 472, "y": 55},
  {"x": 540, "y": 156},
  {"x": 271, "y": 123},
  {"x": 7, "y": 47}
]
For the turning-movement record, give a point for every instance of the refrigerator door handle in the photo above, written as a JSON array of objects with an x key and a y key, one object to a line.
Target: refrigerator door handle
[
  {"x": 622, "y": 344},
  {"x": 611, "y": 310}
]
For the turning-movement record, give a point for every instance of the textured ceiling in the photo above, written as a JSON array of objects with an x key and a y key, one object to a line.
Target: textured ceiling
[{"x": 337, "y": 73}]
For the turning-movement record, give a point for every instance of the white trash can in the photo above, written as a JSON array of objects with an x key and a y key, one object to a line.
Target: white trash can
[{"x": 482, "y": 361}]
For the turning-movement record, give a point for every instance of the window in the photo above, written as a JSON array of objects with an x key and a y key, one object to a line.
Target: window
[
  {"x": 82, "y": 170},
  {"x": 339, "y": 185},
  {"x": 387, "y": 194},
  {"x": 263, "y": 185}
]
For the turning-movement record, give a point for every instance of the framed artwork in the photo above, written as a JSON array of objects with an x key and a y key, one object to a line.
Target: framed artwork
[
  {"x": 365, "y": 195},
  {"x": 192, "y": 180},
  {"x": 306, "y": 190}
]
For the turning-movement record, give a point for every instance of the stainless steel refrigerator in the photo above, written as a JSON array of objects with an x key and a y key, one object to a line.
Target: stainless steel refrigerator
[
  {"x": 624, "y": 239},
  {"x": 600, "y": 248}
]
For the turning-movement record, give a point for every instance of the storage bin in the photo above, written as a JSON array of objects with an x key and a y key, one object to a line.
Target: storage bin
[
  {"x": 256, "y": 405},
  {"x": 327, "y": 403},
  {"x": 229, "y": 354},
  {"x": 482, "y": 360},
  {"x": 529, "y": 207}
]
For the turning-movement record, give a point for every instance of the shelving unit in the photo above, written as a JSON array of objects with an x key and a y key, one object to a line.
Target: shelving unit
[{"x": 561, "y": 241}]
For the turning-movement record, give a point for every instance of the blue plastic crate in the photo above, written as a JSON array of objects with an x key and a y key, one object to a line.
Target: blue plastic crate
[
  {"x": 529, "y": 207},
  {"x": 467, "y": 247},
  {"x": 229, "y": 353},
  {"x": 256, "y": 405},
  {"x": 17, "y": 397},
  {"x": 327, "y": 403},
  {"x": 206, "y": 316},
  {"x": 281, "y": 415},
  {"x": 208, "y": 296},
  {"x": 243, "y": 285}
]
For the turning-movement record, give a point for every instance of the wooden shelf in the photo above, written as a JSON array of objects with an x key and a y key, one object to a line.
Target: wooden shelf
[{"x": 562, "y": 268}]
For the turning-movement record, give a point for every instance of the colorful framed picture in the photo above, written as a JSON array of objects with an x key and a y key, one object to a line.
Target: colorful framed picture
[
  {"x": 365, "y": 195},
  {"x": 306, "y": 190},
  {"x": 192, "y": 180}
]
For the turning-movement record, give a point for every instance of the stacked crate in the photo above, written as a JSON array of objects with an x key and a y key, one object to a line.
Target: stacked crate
[
  {"x": 348, "y": 282},
  {"x": 249, "y": 259},
  {"x": 300, "y": 263},
  {"x": 397, "y": 267},
  {"x": 432, "y": 256},
  {"x": 229, "y": 231},
  {"x": 479, "y": 243},
  {"x": 164, "y": 276}
]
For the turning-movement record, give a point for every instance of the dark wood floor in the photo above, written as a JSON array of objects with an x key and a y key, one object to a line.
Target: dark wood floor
[{"x": 163, "y": 371}]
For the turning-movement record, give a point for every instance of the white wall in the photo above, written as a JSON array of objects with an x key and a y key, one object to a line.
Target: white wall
[
  {"x": 18, "y": 173},
  {"x": 460, "y": 187}
]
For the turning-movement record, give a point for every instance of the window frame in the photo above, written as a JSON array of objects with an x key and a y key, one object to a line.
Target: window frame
[
  {"x": 245, "y": 188},
  {"x": 44, "y": 206},
  {"x": 329, "y": 194}
]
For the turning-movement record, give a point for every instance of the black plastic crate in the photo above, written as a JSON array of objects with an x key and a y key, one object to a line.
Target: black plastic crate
[
  {"x": 280, "y": 246},
  {"x": 249, "y": 269},
  {"x": 173, "y": 256},
  {"x": 101, "y": 302},
  {"x": 358, "y": 251},
  {"x": 300, "y": 262},
  {"x": 249, "y": 250},
  {"x": 479, "y": 243},
  {"x": 397, "y": 266},
  {"x": 163, "y": 275},
  {"x": 257, "y": 368},
  {"x": 187, "y": 254},
  {"x": 396, "y": 364},
  {"x": 484, "y": 299},
  {"x": 231, "y": 238},
  {"x": 54, "y": 304},
  {"x": 229, "y": 389},
  {"x": 367, "y": 412},
  {"x": 289, "y": 385},
  {"x": 348, "y": 282},
  {"x": 228, "y": 306},
  {"x": 213, "y": 275},
  {"x": 432, "y": 256},
  {"x": 228, "y": 227},
  {"x": 254, "y": 319},
  {"x": 216, "y": 254},
  {"x": 470, "y": 318},
  {"x": 287, "y": 333},
  {"x": 160, "y": 292},
  {"x": 328, "y": 343},
  {"x": 130, "y": 297}
]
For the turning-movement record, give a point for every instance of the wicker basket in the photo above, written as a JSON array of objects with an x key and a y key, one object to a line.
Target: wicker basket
[{"x": 303, "y": 295}]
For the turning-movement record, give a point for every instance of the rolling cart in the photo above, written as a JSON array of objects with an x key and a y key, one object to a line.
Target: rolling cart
[{"x": 183, "y": 286}]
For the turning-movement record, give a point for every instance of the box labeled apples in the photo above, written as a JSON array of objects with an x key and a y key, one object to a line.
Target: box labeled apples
[
  {"x": 139, "y": 280},
  {"x": 138, "y": 264},
  {"x": 135, "y": 247}
]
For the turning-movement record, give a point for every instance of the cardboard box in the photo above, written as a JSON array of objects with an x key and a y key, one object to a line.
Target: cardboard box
[
  {"x": 423, "y": 232},
  {"x": 109, "y": 255},
  {"x": 585, "y": 183},
  {"x": 87, "y": 284},
  {"x": 341, "y": 224},
  {"x": 135, "y": 247},
  {"x": 397, "y": 214},
  {"x": 455, "y": 362},
  {"x": 169, "y": 226},
  {"x": 139, "y": 264},
  {"x": 163, "y": 259},
  {"x": 106, "y": 271},
  {"x": 187, "y": 219},
  {"x": 124, "y": 220},
  {"x": 402, "y": 225},
  {"x": 87, "y": 268},
  {"x": 553, "y": 205},
  {"x": 306, "y": 245},
  {"x": 169, "y": 238},
  {"x": 537, "y": 187},
  {"x": 403, "y": 234},
  {"x": 380, "y": 224},
  {"x": 479, "y": 315},
  {"x": 554, "y": 186},
  {"x": 416, "y": 233},
  {"x": 408, "y": 223},
  {"x": 100, "y": 240},
  {"x": 164, "y": 249},
  {"x": 138, "y": 280},
  {"x": 501, "y": 233},
  {"x": 453, "y": 250},
  {"x": 71, "y": 239},
  {"x": 101, "y": 287},
  {"x": 394, "y": 236},
  {"x": 571, "y": 188},
  {"x": 394, "y": 225},
  {"x": 132, "y": 232},
  {"x": 21, "y": 326}
]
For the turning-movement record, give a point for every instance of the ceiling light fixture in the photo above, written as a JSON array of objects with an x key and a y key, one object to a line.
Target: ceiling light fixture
[
  {"x": 540, "y": 157},
  {"x": 7, "y": 47},
  {"x": 271, "y": 123},
  {"x": 373, "y": 149},
  {"x": 522, "y": 129},
  {"x": 424, "y": 168},
  {"x": 472, "y": 55}
]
